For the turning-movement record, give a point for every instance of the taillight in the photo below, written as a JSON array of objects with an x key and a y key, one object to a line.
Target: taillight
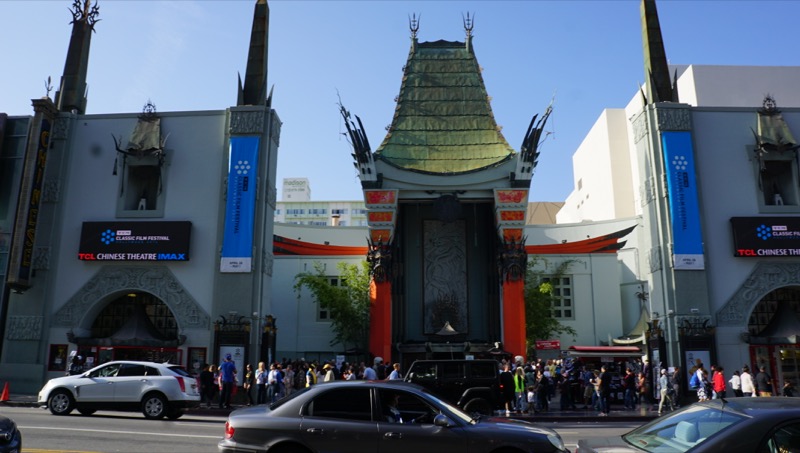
[
  {"x": 228, "y": 430},
  {"x": 181, "y": 383}
]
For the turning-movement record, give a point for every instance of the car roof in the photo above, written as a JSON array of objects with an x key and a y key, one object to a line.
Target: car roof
[{"x": 140, "y": 362}]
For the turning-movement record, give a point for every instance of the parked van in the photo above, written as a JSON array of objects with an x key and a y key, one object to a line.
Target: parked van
[{"x": 472, "y": 385}]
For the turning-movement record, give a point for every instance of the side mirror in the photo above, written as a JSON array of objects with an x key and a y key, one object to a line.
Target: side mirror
[
  {"x": 442, "y": 420},
  {"x": 410, "y": 377}
]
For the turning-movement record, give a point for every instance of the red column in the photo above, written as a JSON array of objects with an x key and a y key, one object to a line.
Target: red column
[
  {"x": 380, "y": 320},
  {"x": 514, "y": 338}
]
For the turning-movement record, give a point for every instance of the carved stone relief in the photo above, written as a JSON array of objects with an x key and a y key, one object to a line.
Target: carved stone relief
[
  {"x": 269, "y": 260},
  {"x": 41, "y": 258},
  {"x": 639, "y": 127},
  {"x": 247, "y": 122},
  {"x": 24, "y": 328},
  {"x": 648, "y": 191},
  {"x": 112, "y": 280},
  {"x": 673, "y": 119},
  {"x": 445, "y": 275},
  {"x": 654, "y": 259},
  {"x": 275, "y": 129},
  {"x": 59, "y": 129},
  {"x": 765, "y": 278},
  {"x": 51, "y": 190}
]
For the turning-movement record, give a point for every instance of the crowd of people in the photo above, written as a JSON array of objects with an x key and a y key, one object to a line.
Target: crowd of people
[
  {"x": 525, "y": 387},
  {"x": 267, "y": 384}
]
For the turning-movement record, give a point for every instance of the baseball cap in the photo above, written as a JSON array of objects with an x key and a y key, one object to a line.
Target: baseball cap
[{"x": 228, "y": 357}]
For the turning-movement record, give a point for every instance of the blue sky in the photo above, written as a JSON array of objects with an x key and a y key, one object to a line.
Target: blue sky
[{"x": 185, "y": 55}]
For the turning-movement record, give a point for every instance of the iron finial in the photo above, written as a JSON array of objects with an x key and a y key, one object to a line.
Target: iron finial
[{"x": 413, "y": 25}]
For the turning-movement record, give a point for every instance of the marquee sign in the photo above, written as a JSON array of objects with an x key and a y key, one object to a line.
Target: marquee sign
[
  {"x": 135, "y": 241},
  {"x": 759, "y": 237}
]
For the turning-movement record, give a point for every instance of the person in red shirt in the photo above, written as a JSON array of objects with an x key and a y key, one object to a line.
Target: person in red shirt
[{"x": 718, "y": 383}]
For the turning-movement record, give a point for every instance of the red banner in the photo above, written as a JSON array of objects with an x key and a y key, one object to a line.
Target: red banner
[{"x": 548, "y": 344}]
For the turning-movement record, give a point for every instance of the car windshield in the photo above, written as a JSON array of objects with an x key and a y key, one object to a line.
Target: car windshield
[
  {"x": 682, "y": 430},
  {"x": 453, "y": 409}
]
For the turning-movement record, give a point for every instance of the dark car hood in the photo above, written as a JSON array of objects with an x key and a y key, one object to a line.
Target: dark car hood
[
  {"x": 6, "y": 424},
  {"x": 506, "y": 424},
  {"x": 605, "y": 445}
]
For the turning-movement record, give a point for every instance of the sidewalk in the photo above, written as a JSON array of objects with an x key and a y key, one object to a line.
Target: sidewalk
[{"x": 553, "y": 415}]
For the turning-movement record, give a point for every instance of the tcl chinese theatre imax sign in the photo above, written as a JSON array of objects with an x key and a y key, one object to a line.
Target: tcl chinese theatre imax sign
[
  {"x": 766, "y": 236},
  {"x": 135, "y": 241}
]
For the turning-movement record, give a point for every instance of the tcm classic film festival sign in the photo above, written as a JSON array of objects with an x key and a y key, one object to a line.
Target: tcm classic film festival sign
[
  {"x": 135, "y": 241},
  {"x": 766, "y": 236}
]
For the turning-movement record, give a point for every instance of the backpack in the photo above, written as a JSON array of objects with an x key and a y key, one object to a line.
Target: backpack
[{"x": 694, "y": 382}]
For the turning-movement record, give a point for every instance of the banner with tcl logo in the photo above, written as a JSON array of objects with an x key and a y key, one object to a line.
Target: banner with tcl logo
[{"x": 759, "y": 237}]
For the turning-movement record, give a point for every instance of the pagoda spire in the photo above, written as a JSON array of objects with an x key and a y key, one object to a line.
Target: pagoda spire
[
  {"x": 255, "y": 78},
  {"x": 659, "y": 86},
  {"x": 72, "y": 93}
]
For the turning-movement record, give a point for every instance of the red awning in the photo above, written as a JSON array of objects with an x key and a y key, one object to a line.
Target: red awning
[{"x": 604, "y": 351}]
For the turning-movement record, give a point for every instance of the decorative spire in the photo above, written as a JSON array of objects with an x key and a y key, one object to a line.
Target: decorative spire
[
  {"x": 255, "y": 78},
  {"x": 469, "y": 24},
  {"x": 413, "y": 25},
  {"x": 72, "y": 94},
  {"x": 659, "y": 87}
]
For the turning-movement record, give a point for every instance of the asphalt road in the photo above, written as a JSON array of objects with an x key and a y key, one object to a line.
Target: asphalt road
[{"x": 125, "y": 432}]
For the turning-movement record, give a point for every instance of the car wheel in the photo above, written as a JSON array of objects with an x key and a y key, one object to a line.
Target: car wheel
[
  {"x": 154, "y": 406},
  {"x": 86, "y": 411},
  {"x": 175, "y": 414},
  {"x": 478, "y": 405},
  {"x": 60, "y": 402}
]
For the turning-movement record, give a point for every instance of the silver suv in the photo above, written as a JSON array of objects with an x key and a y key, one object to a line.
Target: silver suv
[{"x": 156, "y": 389}]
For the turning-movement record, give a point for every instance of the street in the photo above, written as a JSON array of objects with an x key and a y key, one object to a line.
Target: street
[{"x": 107, "y": 432}]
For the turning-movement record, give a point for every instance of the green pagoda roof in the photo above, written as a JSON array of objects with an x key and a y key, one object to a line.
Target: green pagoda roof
[{"x": 443, "y": 123}]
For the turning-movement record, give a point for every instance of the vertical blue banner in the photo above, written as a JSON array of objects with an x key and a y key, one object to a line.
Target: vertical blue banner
[
  {"x": 683, "y": 204},
  {"x": 240, "y": 205}
]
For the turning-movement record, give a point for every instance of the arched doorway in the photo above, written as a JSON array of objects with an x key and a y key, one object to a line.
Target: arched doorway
[
  {"x": 773, "y": 329},
  {"x": 133, "y": 326}
]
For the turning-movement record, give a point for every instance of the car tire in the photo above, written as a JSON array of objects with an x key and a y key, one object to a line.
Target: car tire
[
  {"x": 154, "y": 406},
  {"x": 60, "y": 402},
  {"x": 478, "y": 405},
  {"x": 175, "y": 414},
  {"x": 86, "y": 411}
]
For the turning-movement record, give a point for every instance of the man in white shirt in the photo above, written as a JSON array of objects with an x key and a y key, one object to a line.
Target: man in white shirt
[{"x": 395, "y": 374}]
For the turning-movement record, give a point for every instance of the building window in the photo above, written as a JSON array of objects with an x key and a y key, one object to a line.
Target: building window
[
  {"x": 318, "y": 211},
  {"x": 277, "y": 212},
  {"x": 562, "y": 305},
  {"x": 777, "y": 176},
  {"x": 323, "y": 314},
  {"x": 142, "y": 189},
  {"x": 339, "y": 211}
]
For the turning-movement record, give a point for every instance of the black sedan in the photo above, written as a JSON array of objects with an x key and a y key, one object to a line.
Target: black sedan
[
  {"x": 757, "y": 425},
  {"x": 10, "y": 437},
  {"x": 382, "y": 417}
]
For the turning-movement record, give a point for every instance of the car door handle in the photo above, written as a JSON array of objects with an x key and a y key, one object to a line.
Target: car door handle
[
  {"x": 393, "y": 435},
  {"x": 319, "y": 431}
]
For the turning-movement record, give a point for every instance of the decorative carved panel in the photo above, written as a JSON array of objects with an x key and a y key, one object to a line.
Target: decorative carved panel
[
  {"x": 639, "y": 127},
  {"x": 654, "y": 259},
  {"x": 445, "y": 275},
  {"x": 24, "y": 328},
  {"x": 41, "y": 258},
  {"x": 269, "y": 261},
  {"x": 111, "y": 280},
  {"x": 51, "y": 190},
  {"x": 247, "y": 122},
  {"x": 60, "y": 129},
  {"x": 673, "y": 119},
  {"x": 765, "y": 278}
]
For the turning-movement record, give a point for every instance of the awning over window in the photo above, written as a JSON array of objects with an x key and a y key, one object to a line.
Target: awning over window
[{"x": 604, "y": 351}]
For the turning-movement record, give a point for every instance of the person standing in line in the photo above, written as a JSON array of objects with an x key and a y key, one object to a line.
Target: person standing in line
[
  {"x": 207, "y": 385},
  {"x": 641, "y": 390},
  {"x": 247, "y": 385},
  {"x": 604, "y": 389},
  {"x": 763, "y": 382},
  {"x": 370, "y": 374},
  {"x": 507, "y": 387},
  {"x": 311, "y": 375},
  {"x": 663, "y": 390},
  {"x": 395, "y": 374},
  {"x": 736, "y": 383},
  {"x": 261, "y": 383},
  {"x": 718, "y": 383},
  {"x": 748, "y": 386},
  {"x": 328, "y": 370},
  {"x": 227, "y": 374},
  {"x": 520, "y": 393},
  {"x": 675, "y": 382},
  {"x": 629, "y": 383},
  {"x": 288, "y": 380},
  {"x": 788, "y": 388}
]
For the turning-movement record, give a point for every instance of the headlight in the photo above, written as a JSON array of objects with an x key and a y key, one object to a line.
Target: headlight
[{"x": 555, "y": 439}]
